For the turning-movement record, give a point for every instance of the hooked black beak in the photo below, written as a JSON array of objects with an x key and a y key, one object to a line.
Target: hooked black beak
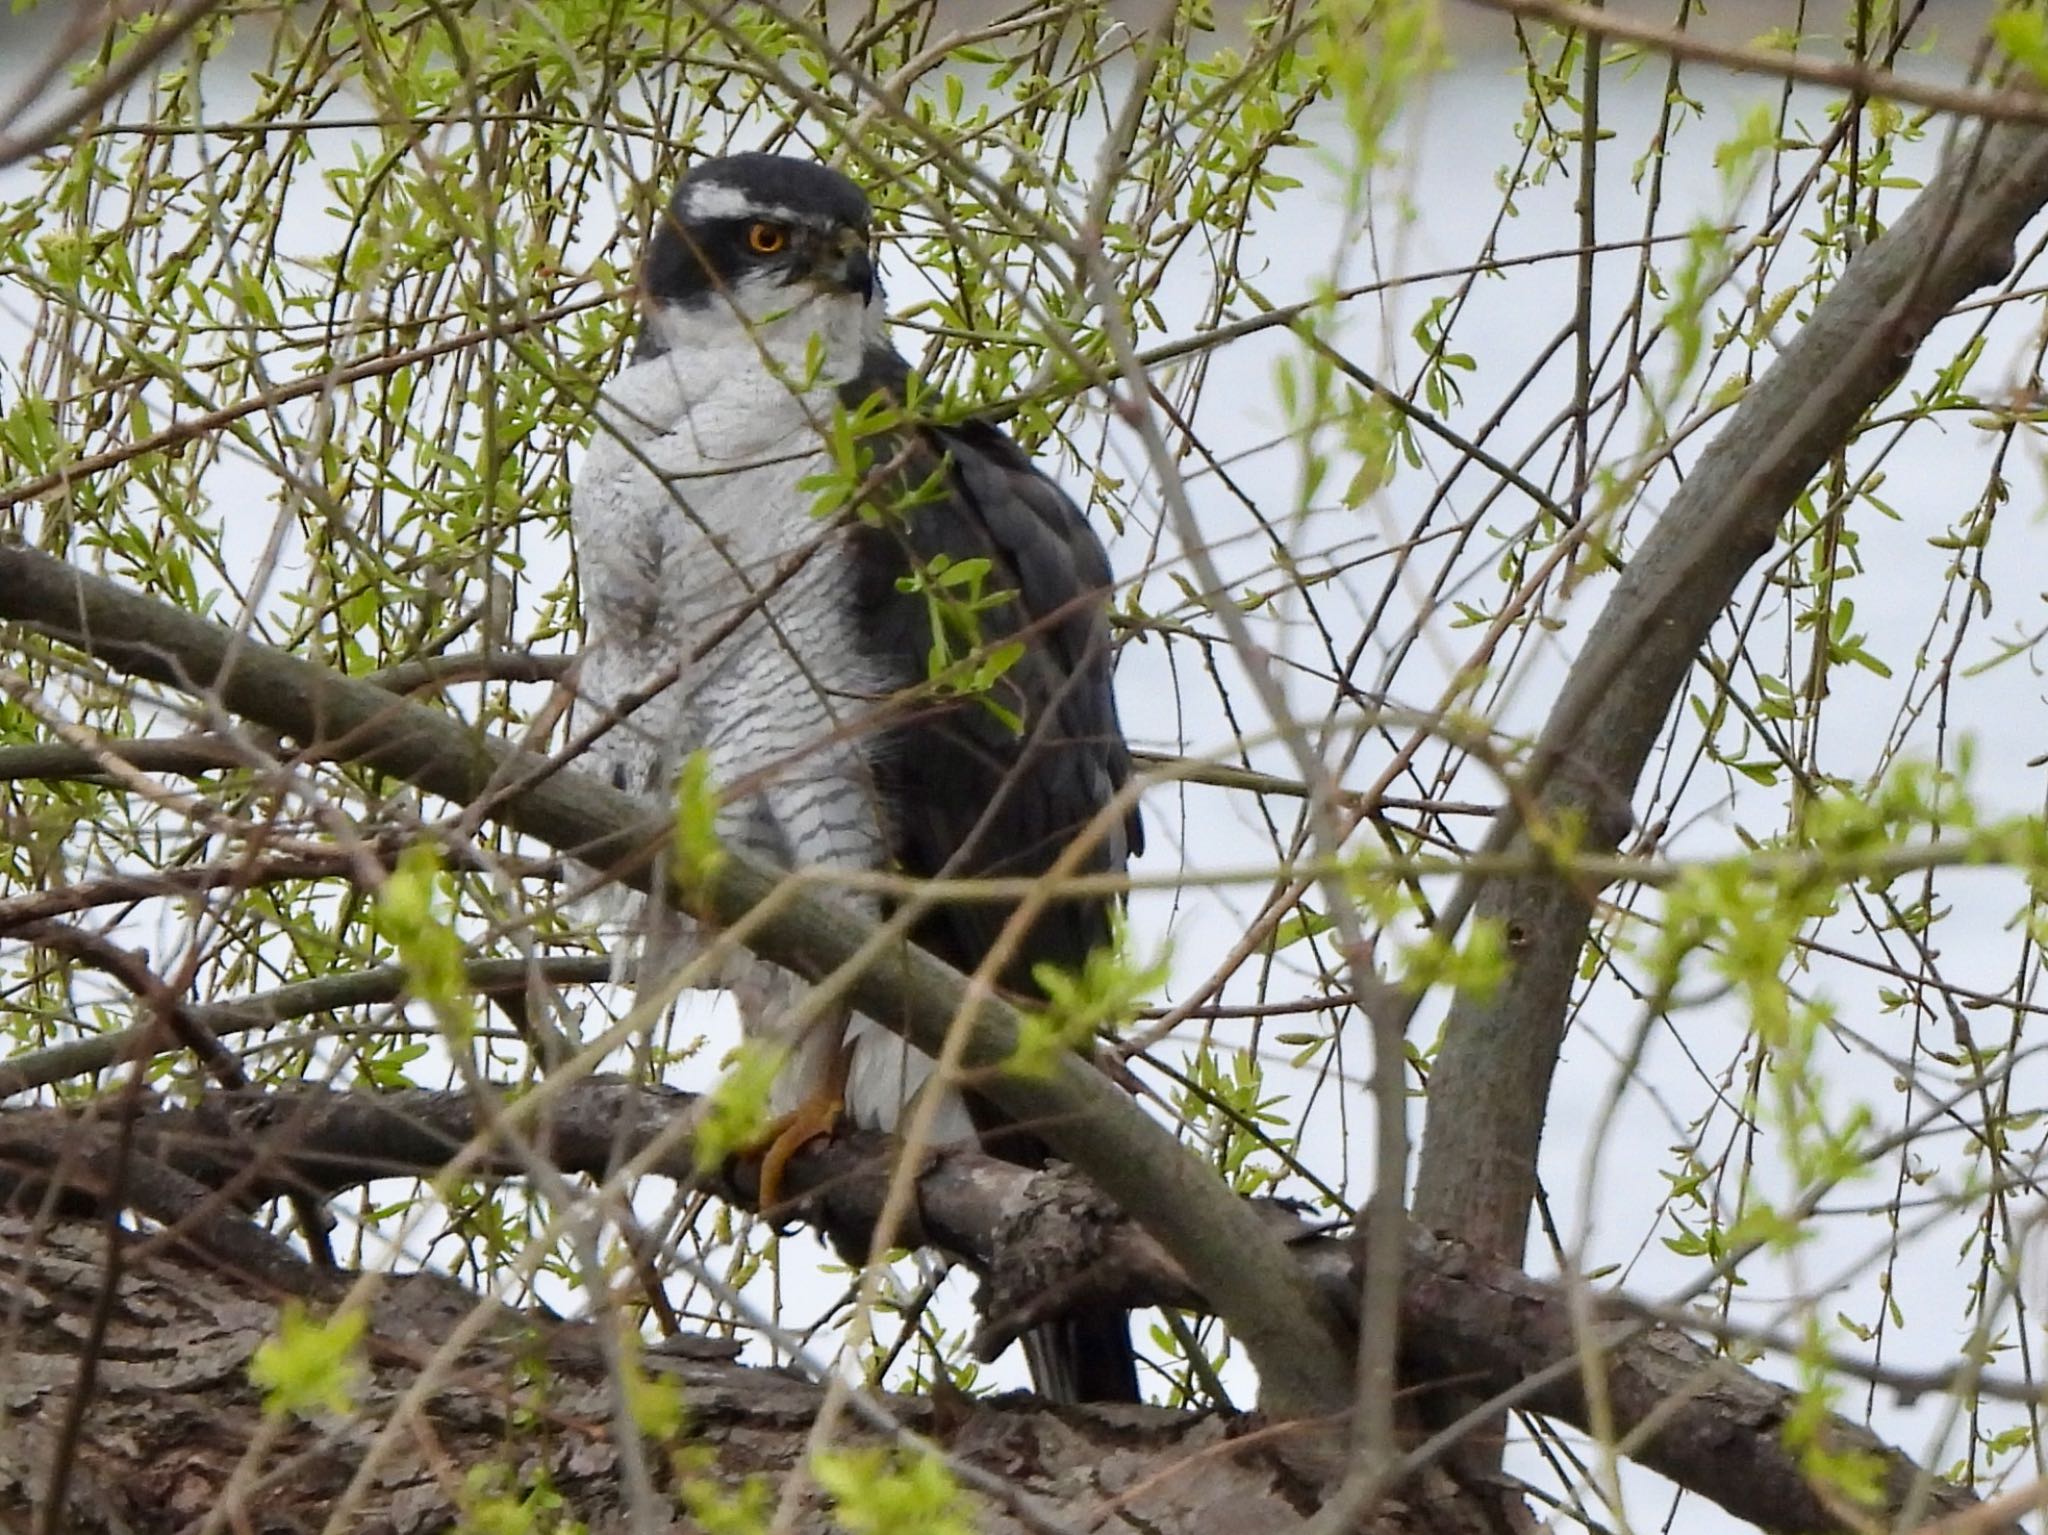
[
  {"x": 846, "y": 265},
  {"x": 858, "y": 273}
]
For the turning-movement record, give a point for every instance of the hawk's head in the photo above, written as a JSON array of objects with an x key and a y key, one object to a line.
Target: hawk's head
[{"x": 760, "y": 236}]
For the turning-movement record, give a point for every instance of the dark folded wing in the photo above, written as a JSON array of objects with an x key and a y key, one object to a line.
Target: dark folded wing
[{"x": 965, "y": 792}]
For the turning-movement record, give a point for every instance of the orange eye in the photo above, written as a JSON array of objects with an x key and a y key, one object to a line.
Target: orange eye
[{"x": 766, "y": 239}]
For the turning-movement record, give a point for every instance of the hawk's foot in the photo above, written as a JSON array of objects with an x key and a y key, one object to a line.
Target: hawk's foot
[{"x": 813, "y": 1119}]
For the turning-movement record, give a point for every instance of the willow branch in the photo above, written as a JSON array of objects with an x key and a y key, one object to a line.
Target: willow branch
[
  {"x": 1284, "y": 1324},
  {"x": 1490, "y": 1089},
  {"x": 326, "y": 994}
]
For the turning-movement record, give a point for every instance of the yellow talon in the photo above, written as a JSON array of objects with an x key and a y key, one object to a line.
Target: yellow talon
[{"x": 816, "y": 1117}]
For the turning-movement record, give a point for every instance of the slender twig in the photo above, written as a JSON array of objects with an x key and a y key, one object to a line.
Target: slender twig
[
  {"x": 1490, "y": 1088},
  {"x": 1862, "y": 80},
  {"x": 164, "y": 34},
  {"x": 327, "y": 994}
]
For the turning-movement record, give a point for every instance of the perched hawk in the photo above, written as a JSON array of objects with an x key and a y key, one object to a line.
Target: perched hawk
[{"x": 802, "y": 647}]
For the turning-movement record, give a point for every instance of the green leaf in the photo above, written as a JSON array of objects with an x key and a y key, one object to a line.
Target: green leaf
[
  {"x": 735, "y": 1111},
  {"x": 311, "y": 1364},
  {"x": 875, "y": 1492},
  {"x": 1104, "y": 994},
  {"x": 696, "y": 854},
  {"x": 1306, "y": 923},
  {"x": 2022, "y": 32},
  {"x": 426, "y": 943}
]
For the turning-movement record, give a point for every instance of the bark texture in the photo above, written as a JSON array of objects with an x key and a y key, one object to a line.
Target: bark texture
[
  {"x": 193, "y": 1298},
  {"x": 176, "y": 1437}
]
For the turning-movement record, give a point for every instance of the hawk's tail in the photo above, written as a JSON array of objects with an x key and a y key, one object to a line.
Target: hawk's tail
[{"x": 1085, "y": 1357}]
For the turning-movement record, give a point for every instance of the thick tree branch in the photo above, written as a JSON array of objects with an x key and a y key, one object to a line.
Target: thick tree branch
[
  {"x": 177, "y": 1438},
  {"x": 1491, "y": 1084},
  {"x": 1466, "y": 1320},
  {"x": 1283, "y": 1323}
]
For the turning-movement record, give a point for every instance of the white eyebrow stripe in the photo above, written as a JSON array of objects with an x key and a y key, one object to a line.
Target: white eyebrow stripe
[{"x": 713, "y": 200}]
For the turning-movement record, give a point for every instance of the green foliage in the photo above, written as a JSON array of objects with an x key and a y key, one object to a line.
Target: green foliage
[
  {"x": 746, "y": 1509},
  {"x": 696, "y": 856},
  {"x": 1476, "y": 963},
  {"x": 328, "y": 383},
  {"x": 1100, "y": 998},
  {"x": 959, "y": 663},
  {"x": 1851, "y": 1474},
  {"x": 735, "y": 1112},
  {"x": 1240, "y": 1119},
  {"x": 495, "y": 1501},
  {"x": 875, "y": 1492},
  {"x": 408, "y": 916},
  {"x": 313, "y": 1364},
  {"x": 1371, "y": 55},
  {"x": 2021, "y": 32},
  {"x": 854, "y": 480},
  {"x": 1306, "y": 923},
  {"x": 655, "y": 1403}
]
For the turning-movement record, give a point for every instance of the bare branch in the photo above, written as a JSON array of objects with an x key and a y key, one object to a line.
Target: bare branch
[
  {"x": 1860, "y": 80},
  {"x": 20, "y": 143},
  {"x": 171, "y": 1432},
  {"x": 170, "y": 1016}
]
